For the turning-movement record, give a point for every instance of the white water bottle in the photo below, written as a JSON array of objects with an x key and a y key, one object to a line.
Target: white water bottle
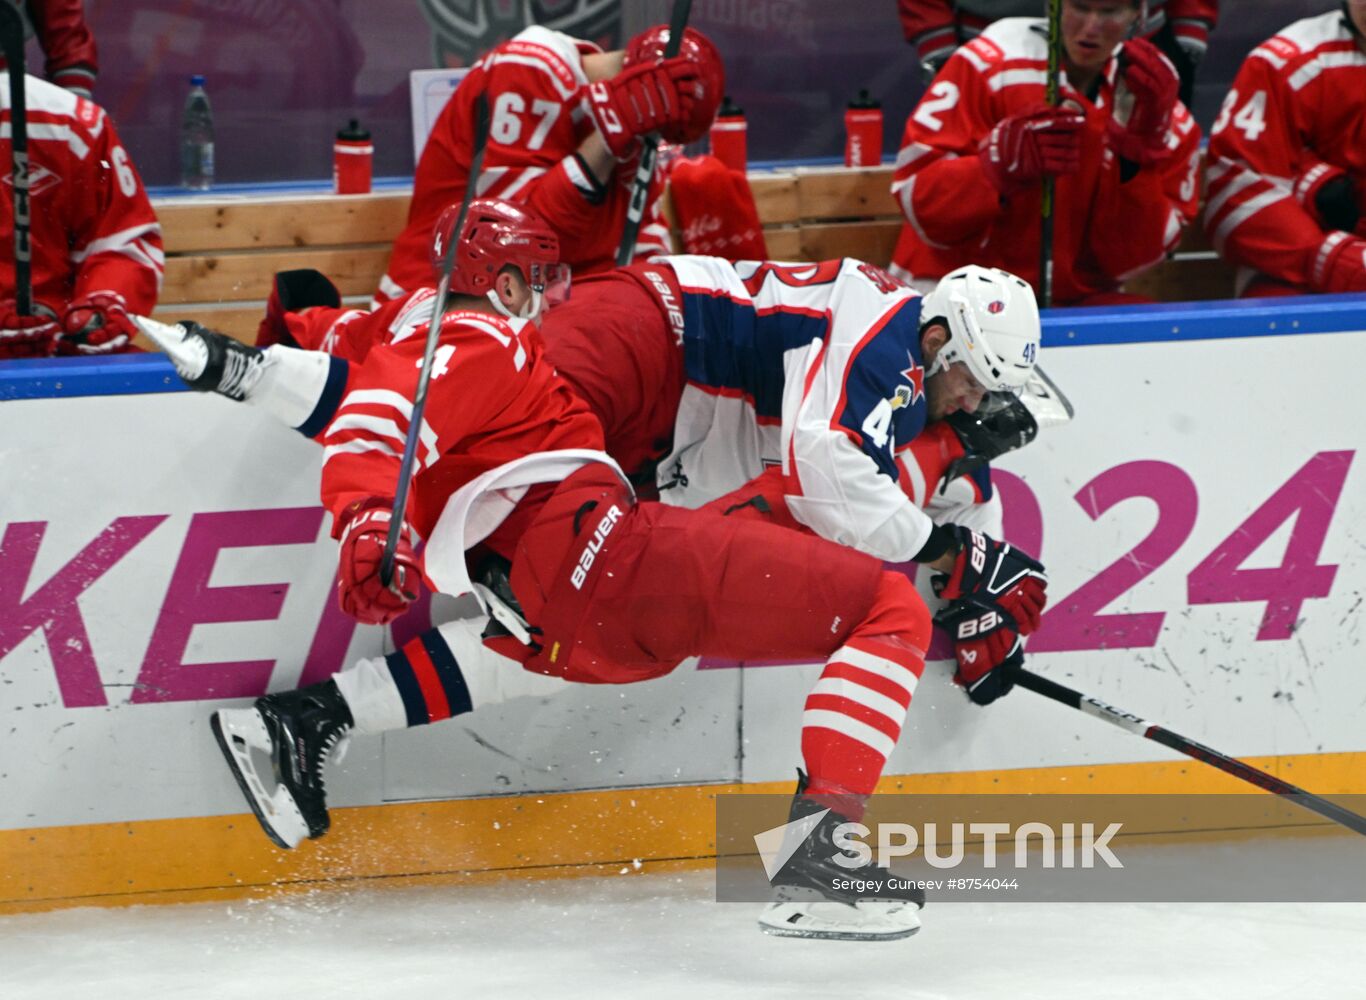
[{"x": 196, "y": 139}]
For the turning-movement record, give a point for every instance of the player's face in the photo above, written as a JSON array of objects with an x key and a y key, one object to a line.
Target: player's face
[
  {"x": 951, "y": 390},
  {"x": 1092, "y": 28},
  {"x": 1357, "y": 10}
]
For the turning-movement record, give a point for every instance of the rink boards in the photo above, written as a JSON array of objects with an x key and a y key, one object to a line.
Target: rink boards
[{"x": 163, "y": 553}]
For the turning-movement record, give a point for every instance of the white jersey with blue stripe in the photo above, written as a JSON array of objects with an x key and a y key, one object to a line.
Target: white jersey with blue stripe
[{"x": 814, "y": 367}]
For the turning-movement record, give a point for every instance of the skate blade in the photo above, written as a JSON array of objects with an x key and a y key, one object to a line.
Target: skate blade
[
  {"x": 238, "y": 731},
  {"x": 165, "y": 335},
  {"x": 871, "y": 920}
]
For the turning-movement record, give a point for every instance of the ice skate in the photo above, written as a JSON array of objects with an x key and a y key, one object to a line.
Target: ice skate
[
  {"x": 207, "y": 360},
  {"x": 297, "y": 731},
  {"x": 867, "y": 920},
  {"x": 807, "y": 898}
]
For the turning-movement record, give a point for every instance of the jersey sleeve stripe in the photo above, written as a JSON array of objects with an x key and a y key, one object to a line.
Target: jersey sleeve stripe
[
  {"x": 128, "y": 242},
  {"x": 48, "y": 130},
  {"x": 522, "y": 179},
  {"x": 357, "y": 447},
  {"x": 387, "y": 397},
  {"x": 1241, "y": 214}
]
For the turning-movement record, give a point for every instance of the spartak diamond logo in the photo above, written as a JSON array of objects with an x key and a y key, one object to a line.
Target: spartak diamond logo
[{"x": 40, "y": 179}]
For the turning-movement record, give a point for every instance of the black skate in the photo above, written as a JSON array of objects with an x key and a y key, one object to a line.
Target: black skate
[
  {"x": 809, "y": 898},
  {"x": 298, "y": 731},
  {"x": 208, "y": 361}
]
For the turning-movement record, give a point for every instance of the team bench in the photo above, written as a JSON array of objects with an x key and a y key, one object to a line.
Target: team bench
[{"x": 222, "y": 251}]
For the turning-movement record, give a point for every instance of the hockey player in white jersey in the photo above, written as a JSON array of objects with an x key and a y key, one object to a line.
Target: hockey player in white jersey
[{"x": 815, "y": 376}]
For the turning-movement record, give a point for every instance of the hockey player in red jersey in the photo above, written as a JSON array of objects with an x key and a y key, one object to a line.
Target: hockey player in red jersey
[
  {"x": 563, "y": 139},
  {"x": 70, "y": 57},
  {"x": 96, "y": 243},
  {"x": 1287, "y": 160},
  {"x": 1180, "y": 28},
  {"x": 1124, "y": 151},
  {"x": 578, "y": 580}
]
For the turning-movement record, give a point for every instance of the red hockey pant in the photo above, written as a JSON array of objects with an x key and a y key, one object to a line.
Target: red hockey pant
[{"x": 624, "y": 591}]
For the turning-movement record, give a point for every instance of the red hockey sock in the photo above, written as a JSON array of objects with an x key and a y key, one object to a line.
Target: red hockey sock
[{"x": 855, "y": 712}]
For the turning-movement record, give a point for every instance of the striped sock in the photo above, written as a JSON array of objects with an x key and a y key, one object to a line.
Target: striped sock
[
  {"x": 429, "y": 680},
  {"x": 854, "y": 716}
]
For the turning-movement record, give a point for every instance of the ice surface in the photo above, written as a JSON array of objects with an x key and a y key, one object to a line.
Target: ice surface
[{"x": 659, "y": 936}]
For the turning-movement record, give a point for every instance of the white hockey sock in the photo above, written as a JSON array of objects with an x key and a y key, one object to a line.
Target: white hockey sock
[
  {"x": 385, "y": 693},
  {"x": 290, "y": 384}
]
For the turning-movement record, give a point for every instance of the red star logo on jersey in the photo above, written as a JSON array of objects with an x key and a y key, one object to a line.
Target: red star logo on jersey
[{"x": 915, "y": 376}]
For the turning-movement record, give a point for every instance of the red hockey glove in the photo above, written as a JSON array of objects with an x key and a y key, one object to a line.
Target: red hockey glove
[
  {"x": 1340, "y": 265},
  {"x": 644, "y": 99},
  {"x": 1154, "y": 84},
  {"x": 1024, "y": 147},
  {"x": 359, "y": 590},
  {"x": 995, "y": 573},
  {"x": 293, "y": 291},
  {"x": 27, "y": 336},
  {"x": 986, "y": 645},
  {"x": 98, "y": 323}
]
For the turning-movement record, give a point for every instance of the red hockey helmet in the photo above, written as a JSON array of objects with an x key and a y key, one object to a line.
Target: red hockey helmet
[
  {"x": 499, "y": 234},
  {"x": 648, "y": 46}
]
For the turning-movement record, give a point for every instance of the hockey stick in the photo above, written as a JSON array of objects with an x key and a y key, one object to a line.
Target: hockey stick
[
  {"x": 1151, "y": 731},
  {"x": 424, "y": 376},
  {"x": 649, "y": 148},
  {"x": 12, "y": 42},
  {"x": 1051, "y": 93}
]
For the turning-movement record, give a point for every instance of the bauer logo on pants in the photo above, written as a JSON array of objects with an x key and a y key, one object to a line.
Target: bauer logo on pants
[{"x": 590, "y": 551}]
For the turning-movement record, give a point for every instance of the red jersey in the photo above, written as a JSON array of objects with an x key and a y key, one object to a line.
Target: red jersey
[
  {"x": 1296, "y": 112},
  {"x": 1106, "y": 229},
  {"x": 535, "y": 87},
  {"x": 93, "y": 228},
  {"x": 492, "y": 398},
  {"x": 71, "y": 60},
  {"x": 936, "y": 27}
]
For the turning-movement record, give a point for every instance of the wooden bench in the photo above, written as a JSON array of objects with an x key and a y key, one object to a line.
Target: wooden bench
[{"x": 221, "y": 252}]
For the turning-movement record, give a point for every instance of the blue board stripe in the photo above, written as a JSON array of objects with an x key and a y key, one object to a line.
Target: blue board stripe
[{"x": 127, "y": 374}]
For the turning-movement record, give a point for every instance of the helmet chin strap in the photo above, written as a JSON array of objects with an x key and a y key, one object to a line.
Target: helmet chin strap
[{"x": 529, "y": 311}]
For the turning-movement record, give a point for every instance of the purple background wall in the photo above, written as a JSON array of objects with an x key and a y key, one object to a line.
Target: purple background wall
[{"x": 284, "y": 75}]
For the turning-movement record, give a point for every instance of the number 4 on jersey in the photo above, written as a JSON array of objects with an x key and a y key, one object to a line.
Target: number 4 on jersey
[{"x": 1310, "y": 496}]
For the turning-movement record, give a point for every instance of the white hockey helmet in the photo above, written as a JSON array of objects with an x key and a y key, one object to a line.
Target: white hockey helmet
[{"x": 993, "y": 322}]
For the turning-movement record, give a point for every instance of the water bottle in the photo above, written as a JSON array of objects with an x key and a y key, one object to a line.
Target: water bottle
[
  {"x": 352, "y": 160},
  {"x": 863, "y": 132},
  {"x": 728, "y": 136},
  {"x": 196, "y": 139}
]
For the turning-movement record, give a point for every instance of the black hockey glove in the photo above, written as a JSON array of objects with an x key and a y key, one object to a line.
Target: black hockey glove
[
  {"x": 995, "y": 573},
  {"x": 986, "y": 645}
]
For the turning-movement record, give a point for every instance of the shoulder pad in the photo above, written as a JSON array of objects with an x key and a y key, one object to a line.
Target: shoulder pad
[
  {"x": 1018, "y": 38},
  {"x": 553, "y": 50},
  {"x": 1308, "y": 33}
]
